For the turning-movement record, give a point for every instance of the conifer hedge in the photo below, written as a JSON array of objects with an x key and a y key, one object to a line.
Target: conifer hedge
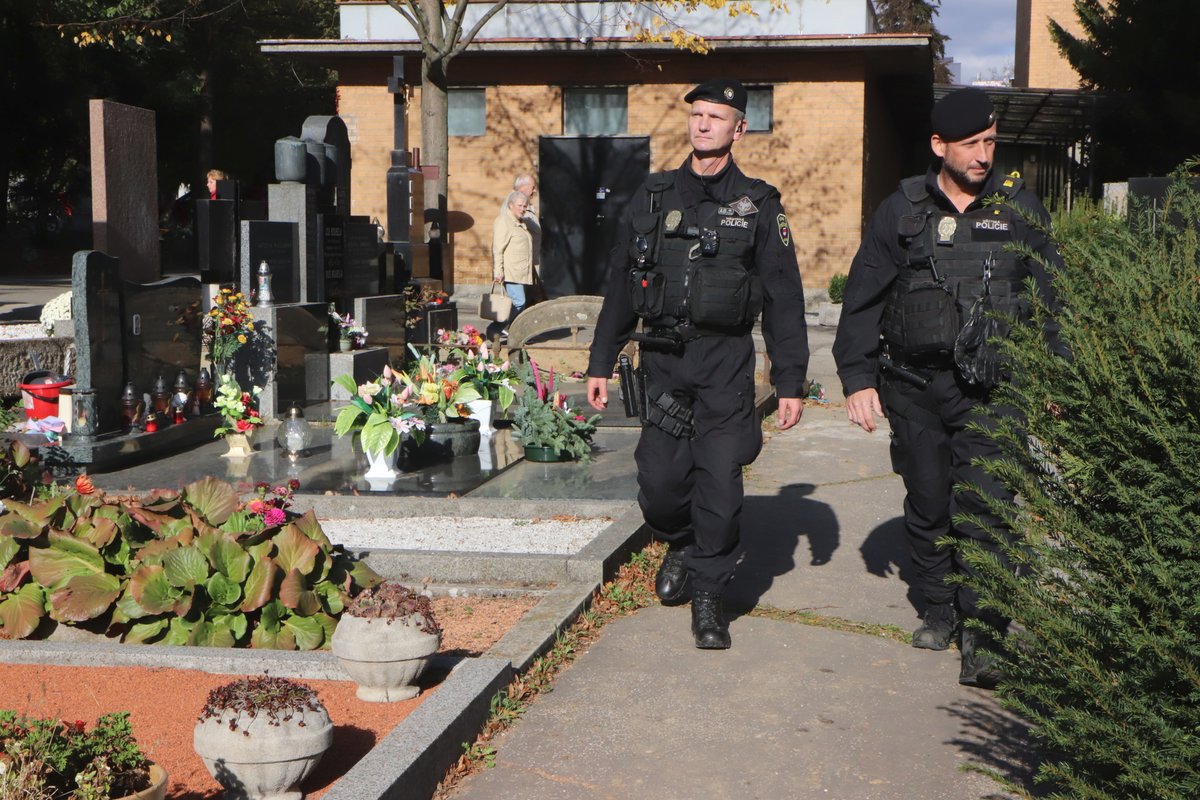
[{"x": 1104, "y": 658}]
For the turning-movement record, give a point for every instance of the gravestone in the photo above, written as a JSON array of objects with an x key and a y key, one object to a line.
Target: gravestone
[
  {"x": 361, "y": 263},
  {"x": 331, "y": 247},
  {"x": 277, "y": 243},
  {"x": 333, "y": 141},
  {"x": 301, "y": 356},
  {"x": 96, "y": 314},
  {"x": 163, "y": 327},
  {"x": 124, "y": 188},
  {"x": 383, "y": 317},
  {"x": 214, "y": 232},
  {"x": 297, "y": 202}
]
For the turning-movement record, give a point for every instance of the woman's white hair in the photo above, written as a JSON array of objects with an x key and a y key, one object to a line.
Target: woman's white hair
[{"x": 512, "y": 198}]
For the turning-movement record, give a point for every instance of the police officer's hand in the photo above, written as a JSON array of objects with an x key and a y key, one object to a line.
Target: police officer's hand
[
  {"x": 863, "y": 407},
  {"x": 789, "y": 411},
  {"x": 597, "y": 393}
]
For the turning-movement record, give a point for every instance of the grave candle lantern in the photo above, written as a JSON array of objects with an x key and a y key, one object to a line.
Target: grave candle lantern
[
  {"x": 160, "y": 397},
  {"x": 129, "y": 405},
  {"x": 265, "y": 298},
  {"x": 204, "y": 390}
]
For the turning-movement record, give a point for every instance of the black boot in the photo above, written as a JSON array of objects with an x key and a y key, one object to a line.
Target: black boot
[
  {"x": 672, "y": 578},
  {"x": 708, "y": 622},
  {"x": 979, "y": 669},
  {"x": 937, "y": 629}
]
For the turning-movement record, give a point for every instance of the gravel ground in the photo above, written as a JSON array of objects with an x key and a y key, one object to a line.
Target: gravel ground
[{"x": 465, "y": 534}]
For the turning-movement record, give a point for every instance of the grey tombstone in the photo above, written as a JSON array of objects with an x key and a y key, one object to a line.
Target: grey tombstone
[
  {"x": 297, "y": 202},
  {"x": 331, "y": 247},
  {"x": 301, "y": 356},
  {"x": 162, "y": 330},
  {"x": 383, "y": 317},
  {"x": 96, "y": 314},
  {"x": 124, "y": 186},
  {"x": 214, "y": 233},
  {"x": 335, "y": 165},
  {"x": 277, "y": 243},
  {"x": 361, "y": 263}
]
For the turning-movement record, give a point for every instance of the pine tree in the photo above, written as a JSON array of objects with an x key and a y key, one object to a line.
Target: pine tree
[{"x": 1104, "y": 660}]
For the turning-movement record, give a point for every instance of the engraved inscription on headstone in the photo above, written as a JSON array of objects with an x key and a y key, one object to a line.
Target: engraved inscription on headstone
[
  {"x": 332, "y": 247},
  {"x": 360, "y": 260}
]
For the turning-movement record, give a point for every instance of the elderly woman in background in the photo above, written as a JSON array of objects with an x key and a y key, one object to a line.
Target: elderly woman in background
[{"x": 512, "y": 250}]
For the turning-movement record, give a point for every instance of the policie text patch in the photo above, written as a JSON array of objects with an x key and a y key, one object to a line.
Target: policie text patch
[{"x": 785, "y": 231}]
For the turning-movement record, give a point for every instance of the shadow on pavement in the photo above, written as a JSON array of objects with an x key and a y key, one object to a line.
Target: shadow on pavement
[
  {"x": 771, "y": 530},
  {"x": 885, "y": 553},
  {"x": 993, "y": 739}
]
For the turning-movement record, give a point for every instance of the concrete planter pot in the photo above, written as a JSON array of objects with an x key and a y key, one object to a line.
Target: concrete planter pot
[
  {"x": 261, "y": 761},
  {"x": 829, "y": 314},
  {"x": 384, "y": 657}
]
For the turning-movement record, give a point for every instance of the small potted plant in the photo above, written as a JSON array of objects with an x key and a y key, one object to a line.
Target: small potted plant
[
  {"x": 55, "y": 758},
  {"x": 351, "y": 335},
  {"x": 384, "y": 640},
  {"x": 382, "y": 411},
  {"x": 261, "y": 736},
  {"x": 828, "y": 314},
  {"x": 240, "y": 415},
  {"x": 550, "y": 428}
]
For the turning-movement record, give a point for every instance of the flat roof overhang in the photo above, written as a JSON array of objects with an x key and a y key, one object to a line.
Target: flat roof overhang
[{"x": 1039, "y": 116}]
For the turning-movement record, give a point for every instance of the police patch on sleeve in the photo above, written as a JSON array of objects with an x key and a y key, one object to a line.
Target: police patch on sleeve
[{"x": 785, "y": 231}]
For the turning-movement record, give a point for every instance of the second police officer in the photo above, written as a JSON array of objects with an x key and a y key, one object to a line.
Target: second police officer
[
  {"x": 704, "y": 249},
  {"x": 935, "y": 265}
]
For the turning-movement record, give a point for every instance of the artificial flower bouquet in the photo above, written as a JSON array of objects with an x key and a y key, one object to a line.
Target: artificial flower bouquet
[
  {"x": 238, "y": 409},
  {"x": 382, "y": 410},
  {"x": 494, "y": 378},
  {"x": 440, "y": 392},
  {"x": 228, "y": 326}
]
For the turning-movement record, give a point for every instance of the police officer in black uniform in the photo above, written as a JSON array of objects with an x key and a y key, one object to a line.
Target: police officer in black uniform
[
  {"x": 704, "y": 249},
  {"x": 919, "y": 308}
]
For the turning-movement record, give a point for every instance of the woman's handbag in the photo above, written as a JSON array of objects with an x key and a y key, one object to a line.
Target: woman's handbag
[{"x": 495, "y": 305}]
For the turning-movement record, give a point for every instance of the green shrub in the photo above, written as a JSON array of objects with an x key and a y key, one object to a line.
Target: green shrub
[
  {"x": 196, "y": 567},
  {"x": 837, "y": 288},
  {"x": 1106, "y": 663}
]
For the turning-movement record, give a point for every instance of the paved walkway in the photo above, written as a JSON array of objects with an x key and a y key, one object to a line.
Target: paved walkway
[{"x": 792, "y": 711}]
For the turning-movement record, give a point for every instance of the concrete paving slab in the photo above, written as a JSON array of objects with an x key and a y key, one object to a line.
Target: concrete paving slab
[{"x": 791, "y": 711}]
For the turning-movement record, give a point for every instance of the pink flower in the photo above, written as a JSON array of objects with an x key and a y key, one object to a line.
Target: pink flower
[{"x": 274, "y": 516}]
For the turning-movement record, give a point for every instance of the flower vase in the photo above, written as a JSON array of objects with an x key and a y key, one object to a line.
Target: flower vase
[
  {"x": 239, "y": 446},
  {"x": 482, "y": 410},
  {"x": 382, "y": 466},
  {"x": 345, "y": 344}
]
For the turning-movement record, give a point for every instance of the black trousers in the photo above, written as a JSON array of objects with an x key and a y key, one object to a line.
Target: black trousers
[
  {"x": 932, "y": 450},
  {"x": 691, "y": 489}
]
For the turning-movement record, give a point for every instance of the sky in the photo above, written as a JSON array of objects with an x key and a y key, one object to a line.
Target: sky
[{"x": 982, "y": 34}]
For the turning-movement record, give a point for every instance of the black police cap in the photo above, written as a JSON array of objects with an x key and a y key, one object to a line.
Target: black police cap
[
  {"x": 962, "y": 113},
  {"x": 725, "y": 91}
]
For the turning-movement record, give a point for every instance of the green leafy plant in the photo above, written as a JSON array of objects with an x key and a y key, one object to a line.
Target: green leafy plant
[
  {"x": 1102, "y": 447},
  {"x": 278, "y": 699},
  {"x": 545, "y": 418},
  {"x": 837, "y": 287},
  {"x": 381, "y": 410},
  {"x": 19, "y": 473},
  {"x": 52, "y": 758},
  {"x": 392, "y": 601},
  {"x": 196, "y": 567}
]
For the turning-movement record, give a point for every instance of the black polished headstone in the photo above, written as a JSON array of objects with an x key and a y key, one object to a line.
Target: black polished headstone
[
  {"x": 331, "y": 249},
  {"x": 215, "y": 232},
  {"x": 162, "y": 330},
  {"x": 433, "y": 318},
  {"x": 277, "y": 243},
  {"x": 383, "y": 317},
  {"x": 361, "y": 264},
  {"x": 96, "y": 313}
]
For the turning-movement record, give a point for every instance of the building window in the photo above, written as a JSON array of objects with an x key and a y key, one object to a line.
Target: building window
[
  {"x": 595, "y": 111},
  {"x": 760, "y": 105},
  {"x": 467, "y": 112}
]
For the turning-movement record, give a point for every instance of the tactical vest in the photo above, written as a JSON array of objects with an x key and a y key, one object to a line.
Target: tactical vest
[
  {"x": 953, "y": 260},
  {"x": 692, "y": 268}
]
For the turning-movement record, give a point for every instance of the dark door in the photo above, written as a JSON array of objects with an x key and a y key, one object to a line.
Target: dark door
[{"x": 585, "y": 183}]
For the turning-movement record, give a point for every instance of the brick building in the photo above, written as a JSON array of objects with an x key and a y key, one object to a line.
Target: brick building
[
  {"x": 1038, "y": 64},
  {"x": 838, "y": 113}
]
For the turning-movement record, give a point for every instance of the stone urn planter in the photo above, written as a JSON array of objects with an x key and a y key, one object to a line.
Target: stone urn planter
[
  {"x": 445, "y": 440},
  {"x": 260, "y": 737},
  {"x": 239, "y": 446},
  {"x": 384, "y": 640}
]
